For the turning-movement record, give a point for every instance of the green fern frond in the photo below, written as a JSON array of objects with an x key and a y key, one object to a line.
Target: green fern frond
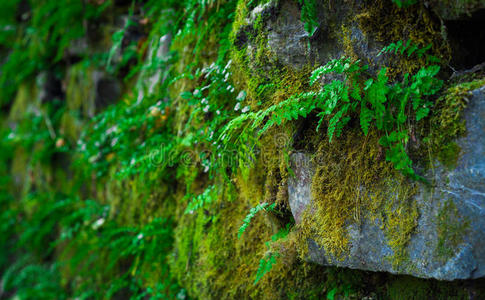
[{"x": 252, "y": 213}]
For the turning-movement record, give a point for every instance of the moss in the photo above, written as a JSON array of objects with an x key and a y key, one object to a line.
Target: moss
[
  {"x": 451, "y": 230},
  {"x": 24, "y": 99},
  {"x": 389, "y": 24},
  {"x": 407, "y": 287},
  {"x": 400, "y": 217},
  {"x": 80, "y": 89},
  {"x": 447, "y": 123},
  {"x": 351, "y": 182},
  {"x": 449, "y": 154}
]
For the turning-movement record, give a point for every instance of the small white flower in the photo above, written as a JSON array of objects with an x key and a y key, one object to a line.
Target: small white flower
[
  {"x": 218, "y": 112},
  {"x": 241, "y": 96},
  {"x": 228, "y": 64},
  {"x": 93, "y": 158},
  {"x": 132, "y": 162},
  {"x": 206, "y": 169},
  {"x": 96, "y": 225},
  {"x": 196, "y": 92},
  {"x": 206, "y": 109},
  {"x": 114, "y": 142},
  {"x": 238, "y": 105},
  {"x": 245, "y": 109},
  {"x": 140, "y": 236}
]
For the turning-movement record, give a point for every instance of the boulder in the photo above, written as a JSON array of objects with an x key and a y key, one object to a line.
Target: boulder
[{"x": 448, "y": 241}]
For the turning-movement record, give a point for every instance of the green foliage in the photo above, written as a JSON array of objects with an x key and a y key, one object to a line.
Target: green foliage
[
  {"x": 51, "y": 27},
  {"x": 96, "y": 215},
  {"x": 33, "y": 281},
  {"x": 265, "y": 265},
  {"x": 37, "y": 130},
  {"x": 201, "y": 200},
  {"x": 267, "y": 262},
  {"x": 309, "y": 16},
  {"x": 380, "y": 104},
  {"x": 404, "y": 3},
  {"x": 252, "y": 213}
]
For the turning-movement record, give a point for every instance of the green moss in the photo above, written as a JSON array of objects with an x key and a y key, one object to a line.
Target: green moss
[
  {"x": 351, "y": 183},
  {"x": 449, "y": 155},
  {"x": 447, "y": 123},
  {"x": 451, "y": 230},
  {"x": 26, "y": 97},
  {"x": 407, "y": 287},
  {"x": 387, "y": 24},
  {"x": 80, "y": 89}
]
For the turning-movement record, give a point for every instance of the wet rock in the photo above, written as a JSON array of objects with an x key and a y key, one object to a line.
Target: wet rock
[
  {"x": 156, "y": 72},
  {"x": 448, "y": 242}
]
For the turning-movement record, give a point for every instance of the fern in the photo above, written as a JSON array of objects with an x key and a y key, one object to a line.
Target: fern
[
  {"x": 309, "y": 16},
  {"x": 266, "y": 263},
  {"x": 379, "y": 103},
  {"x": 404, "y": 3},
  {"x": 201, "y": 200},
  {"x": 252, "y": 213}
]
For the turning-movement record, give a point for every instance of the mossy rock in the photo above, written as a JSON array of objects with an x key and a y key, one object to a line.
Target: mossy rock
[{"x": 376, "y": 220}]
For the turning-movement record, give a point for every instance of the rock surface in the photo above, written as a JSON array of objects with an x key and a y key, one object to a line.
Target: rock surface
[
  {"x": 458, "y": 9},
  {"x": 456, "y": 197}
]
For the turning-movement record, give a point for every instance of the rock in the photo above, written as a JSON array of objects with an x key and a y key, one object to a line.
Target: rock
[
  {"x": 457, "y": 9},
  {"x": 156, "y": 72},
  {"x": 290, "y": 45},
  {"x": 448, "y": 242},
  {"x": 287, "y": 36},
  {"x": 50, "y": 87},
  {"x": 90, "y": 90},
  {"x": 108, "y": 90}
]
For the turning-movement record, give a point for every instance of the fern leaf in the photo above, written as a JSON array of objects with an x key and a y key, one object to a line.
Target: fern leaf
[
  {"x": 252, "y": 213},
  {"x": 366, "y": 117}
]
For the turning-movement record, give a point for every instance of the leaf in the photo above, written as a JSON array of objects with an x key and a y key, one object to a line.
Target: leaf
[
  {"x": 252, "y": 213},
  {"x": 421, "y": 113},
  {"x": 366, "y": 117},
  {"x": 331, "y": 294}
]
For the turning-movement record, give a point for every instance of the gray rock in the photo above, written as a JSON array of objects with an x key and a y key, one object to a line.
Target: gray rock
[
  {"x": 463, "y": 187},
  {"x": 156, "y": 69},
  {"x": 108, "y": 90},
  {"x": 287, "y": 36},
  {"x": 292, "y": 46}
]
